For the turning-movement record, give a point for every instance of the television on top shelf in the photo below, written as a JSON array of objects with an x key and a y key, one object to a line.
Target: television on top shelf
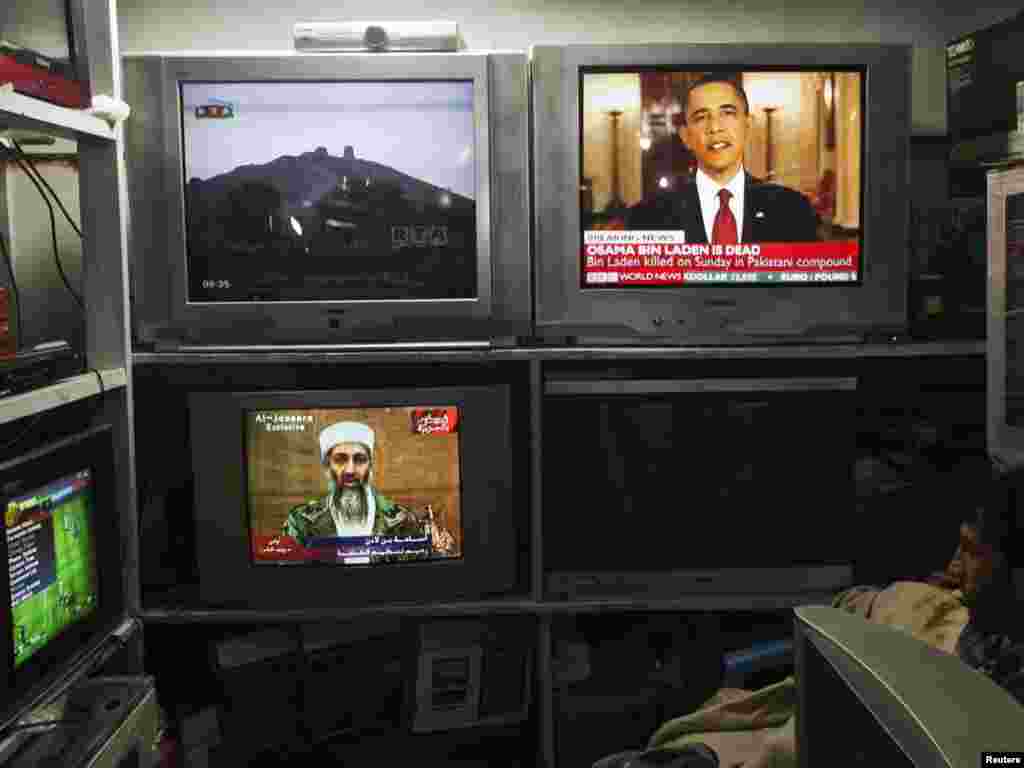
[
  {"x": 632, "y": 144},
  {"x": 61, "y": 544},
  {"x": 289, "y": 198},
  {"x": 348, "y": 498}
]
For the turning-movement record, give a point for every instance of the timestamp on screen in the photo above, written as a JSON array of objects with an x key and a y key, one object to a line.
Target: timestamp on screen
[{"x": 216, "y": 284}]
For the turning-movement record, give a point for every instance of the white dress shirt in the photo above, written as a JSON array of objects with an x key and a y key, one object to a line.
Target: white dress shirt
[{"x": 707, "y": 193}]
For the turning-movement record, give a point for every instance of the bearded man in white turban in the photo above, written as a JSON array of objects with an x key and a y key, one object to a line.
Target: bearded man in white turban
[{"x": 353, "y": 506}]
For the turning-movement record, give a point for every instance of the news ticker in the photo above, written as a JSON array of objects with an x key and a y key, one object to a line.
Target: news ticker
[
  {"x": 669, "y": 277},
  {"x": 658, "y": 257}
]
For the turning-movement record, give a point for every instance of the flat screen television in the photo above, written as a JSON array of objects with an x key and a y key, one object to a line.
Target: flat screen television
[
  {"x": 631, "y": 145},
  {"x": 869, "y": 694},
  {"x": 62, "y": 549},
  {"x": 348, "y": 498},
  {"x": 293, "y": 198}
]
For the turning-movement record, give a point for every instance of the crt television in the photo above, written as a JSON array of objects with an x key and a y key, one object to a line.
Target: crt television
[
  {"x": 625, "y": 243},
  {"x": 324, "y": 499},
  {"x": 869, "y": 694},
  {"x": 1005, "y": 284},
  {"x": 688, "y": 492},
  {"x": 289, "y": 198},
  {"x": 62, "y": 549}
]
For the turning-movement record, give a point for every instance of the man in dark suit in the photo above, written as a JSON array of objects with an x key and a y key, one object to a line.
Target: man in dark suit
[{"x": 724, "y": 203}]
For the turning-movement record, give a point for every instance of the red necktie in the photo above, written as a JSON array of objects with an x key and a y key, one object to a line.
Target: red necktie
[{"x": 724, "y": 229}]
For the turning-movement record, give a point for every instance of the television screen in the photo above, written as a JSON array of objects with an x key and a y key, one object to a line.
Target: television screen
[
  {"x": 51, "y": 559},
  {"x": 353, "y": 486},
  {"x": 658, "y": 145},
  {"x": 312, "y": 191}
]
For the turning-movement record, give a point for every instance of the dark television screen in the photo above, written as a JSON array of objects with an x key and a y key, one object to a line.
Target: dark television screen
[
  {"x": 51, "y": 558},
  {"x": 329, "y": 191},
  {"x": 354, "y": 486},
  {"x": 658, "y": 144}
]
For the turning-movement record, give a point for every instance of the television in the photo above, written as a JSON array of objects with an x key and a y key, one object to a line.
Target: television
[
  {"x": 1005, "y": 288},
  {"x": 625, "y": 181},
  {"x": 61, "y": 544},
  {"x": 869, "y": 694},
  {"x": 673, "y": 487},
  {"x": 349, "y": 498},
  {"x": 327, "y": 199}
]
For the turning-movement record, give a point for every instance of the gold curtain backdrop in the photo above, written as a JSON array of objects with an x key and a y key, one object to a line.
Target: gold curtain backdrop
[
  {"x": 601, "y": 95},
  {"x": 409, "y": 468},
  {"x": 815, "y": 136}
]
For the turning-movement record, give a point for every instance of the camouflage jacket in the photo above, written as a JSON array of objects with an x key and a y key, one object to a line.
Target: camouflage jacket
[{"x": 313, "y": 520}]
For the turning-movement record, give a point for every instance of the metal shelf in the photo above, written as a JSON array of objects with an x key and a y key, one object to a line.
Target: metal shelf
[
  {"x": 66, "y": 391},
  {"x": 292, "y": 355},
  {"x": 179, "y": 614},
  {"x": 26, "y": 113}
]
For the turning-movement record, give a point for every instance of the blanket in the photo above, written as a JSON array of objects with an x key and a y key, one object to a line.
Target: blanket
[{"x": 756, "y": 729}]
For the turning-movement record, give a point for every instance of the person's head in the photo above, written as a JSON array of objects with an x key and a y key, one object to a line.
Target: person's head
[
  {"x": 346, "y": 452},
  {"x": 982, "y": 562},
  {"x": 716, "y": 119},
  {"x": 975, "y": 561}
]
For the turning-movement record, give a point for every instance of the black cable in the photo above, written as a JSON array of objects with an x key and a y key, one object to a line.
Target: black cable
[
  {"x": 14, "y": 286},
  {"x": 99, "y": 378},
  {"x": 71, "y": 676},
  {"x": 23, "y": 434},
  {"x": 56, "y": 198},
  {"x": 48, "y": 724},
  {"x": 53, "y": 225}
]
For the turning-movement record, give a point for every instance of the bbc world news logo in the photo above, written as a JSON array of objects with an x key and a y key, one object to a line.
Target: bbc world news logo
[{"x": 1001, "y": 758}]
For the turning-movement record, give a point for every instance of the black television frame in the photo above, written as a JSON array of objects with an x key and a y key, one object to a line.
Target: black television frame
[
  {"x": 93, "y": 450},
  {"x": 487, "y": 565},
  {"x": 713, "y": 314},
  {"x": 166, "y": 318}
]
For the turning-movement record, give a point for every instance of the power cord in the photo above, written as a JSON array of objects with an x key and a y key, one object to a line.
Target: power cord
[
  {"x": 14, "y": 284},
  {"x": 56, "y": 198},
  {"x": 53, "y": 221},
  {"x": 41, "y": 724}
]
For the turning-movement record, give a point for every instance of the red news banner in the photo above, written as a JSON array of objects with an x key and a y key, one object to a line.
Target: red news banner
[{"x": 617, "y": 258}]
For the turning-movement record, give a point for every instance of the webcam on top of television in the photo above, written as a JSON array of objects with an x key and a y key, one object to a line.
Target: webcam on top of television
[{"x": 376, "y": 36}]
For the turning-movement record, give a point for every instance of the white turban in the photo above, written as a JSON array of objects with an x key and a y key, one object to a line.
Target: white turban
[{"x": 345, "y": 432}]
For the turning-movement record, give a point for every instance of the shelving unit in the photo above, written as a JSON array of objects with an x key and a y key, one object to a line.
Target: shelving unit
[
  {"x": 543, "y": 370},
  {"x": 63, "y": 392},
  {"x": 26, "y": 113},
  {"x": 107, "y": 381},
  {"x": 540, "y": 373}
]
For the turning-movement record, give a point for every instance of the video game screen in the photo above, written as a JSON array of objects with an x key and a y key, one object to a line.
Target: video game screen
[
  {"x": 354, "y": 486},
  {"x": 720, "y": 177},
  {"x": 51, "y": 558},
  {"x": 329, "y": 191}
]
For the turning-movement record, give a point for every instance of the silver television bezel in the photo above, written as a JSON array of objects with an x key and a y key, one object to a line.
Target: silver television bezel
[
  {"x": 156, "y": 178},
  {"x": 719, "y": 314},
  {"x": 1005, "y": 442}
]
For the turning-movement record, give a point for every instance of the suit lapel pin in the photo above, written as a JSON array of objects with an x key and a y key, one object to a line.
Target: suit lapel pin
[{"x": 759, "y": 214}]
